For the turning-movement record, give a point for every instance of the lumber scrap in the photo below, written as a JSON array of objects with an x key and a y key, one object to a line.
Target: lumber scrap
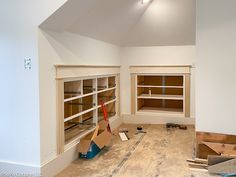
[
  {"x": 215, "y": 159},
  {"x": 198, "y": 169},
  {"x": 215, "y": 137},
  {"x": 197, "y": 160},
  {"x": 227, "y": 167},
  {"x": 203, "y": 151},
  {"x": 222, "y": 148},
  {"x": 198, "y": 165}
]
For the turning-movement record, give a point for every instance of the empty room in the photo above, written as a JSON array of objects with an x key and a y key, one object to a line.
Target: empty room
[{"x": 118, "y": 88}]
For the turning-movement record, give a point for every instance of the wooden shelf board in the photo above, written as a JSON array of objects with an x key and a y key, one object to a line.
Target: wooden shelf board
[
  {"x": 88, "y": 94},
  {"x": 111, "y": 101},
  {"x": 80, "y": 96},
  {"x": 160, "y": 96},
  {"x": 158, "y": 86},
  {"x": 79, "y": 114},
  {"x": 161, "y": 110}
]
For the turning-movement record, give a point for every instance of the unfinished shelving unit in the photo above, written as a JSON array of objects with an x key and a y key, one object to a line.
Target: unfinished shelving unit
[
  {"x": 161, "y": 90},
  {"x": 80, "y": 92}
]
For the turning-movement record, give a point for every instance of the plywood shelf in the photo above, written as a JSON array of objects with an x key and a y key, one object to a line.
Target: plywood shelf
[
  {"x": 161, "y": 110},
  {"x": 79, "y": 96},
  {"x": 112, "y": 88},
  {"x": 160, "y": 96},
  {"x": 158, "y": 86}
]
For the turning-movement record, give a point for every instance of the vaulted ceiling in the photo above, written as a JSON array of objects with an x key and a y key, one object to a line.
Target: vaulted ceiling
[{"x": 128, "y": 22}]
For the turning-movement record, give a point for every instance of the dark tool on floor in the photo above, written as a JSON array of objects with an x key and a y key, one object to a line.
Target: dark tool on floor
[
  {"x": 140, "y": 130},
  {"x": 172, "y": 125}
]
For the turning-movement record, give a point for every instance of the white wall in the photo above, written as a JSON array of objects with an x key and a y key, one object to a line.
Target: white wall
[
  {"x": 64, "y": 48},
  {"x": 216, "y": 62},
  {"x": 163, "y": 55},
  {"x": 19, "y": 92},
  {"x": 164, "y": 23}
]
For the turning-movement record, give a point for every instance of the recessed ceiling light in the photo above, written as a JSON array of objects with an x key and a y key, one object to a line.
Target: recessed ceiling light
[{"x": 145, "y": 1}]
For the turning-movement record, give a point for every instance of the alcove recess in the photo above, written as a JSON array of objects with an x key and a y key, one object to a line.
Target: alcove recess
[{"x": 160, "y": 90}]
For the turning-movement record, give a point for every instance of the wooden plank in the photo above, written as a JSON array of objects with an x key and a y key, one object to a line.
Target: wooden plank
[
  {"x": 221, "y": 148},
  {"x": 227, "y": 167},
  {"x": 133, "y": 93},
  {"x": 215, "y": 159},
  {"x": 197, "y": 160},
  {"x": 187, "y": 96},
  {"x": 198, "y": 165},
  {"x": 201, "y": 160},
  {"x": 198, "y": 169}
]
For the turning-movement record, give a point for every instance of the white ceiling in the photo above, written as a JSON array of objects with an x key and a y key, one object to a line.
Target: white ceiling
[{"x": 128, "y": 22}]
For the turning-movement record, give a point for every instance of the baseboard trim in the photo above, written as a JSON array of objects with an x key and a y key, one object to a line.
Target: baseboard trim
[
  {"x": 17, "y": 169},
  {"x": 152, "y": 119},
  {"x": 60, "y": 162}
]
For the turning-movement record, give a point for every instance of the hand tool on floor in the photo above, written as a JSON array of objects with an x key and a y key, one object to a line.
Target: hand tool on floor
[
  {"x": 123, "y": 133},
  {"x": 140, "y": 130},
  {"x": 172, "y": 125}
]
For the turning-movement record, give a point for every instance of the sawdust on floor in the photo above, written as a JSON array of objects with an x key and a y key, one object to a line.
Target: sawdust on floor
[{"x": 158, "y": 153}]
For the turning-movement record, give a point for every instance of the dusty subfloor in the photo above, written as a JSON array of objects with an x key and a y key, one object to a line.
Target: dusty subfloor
[{"x": 158, "y": 153}]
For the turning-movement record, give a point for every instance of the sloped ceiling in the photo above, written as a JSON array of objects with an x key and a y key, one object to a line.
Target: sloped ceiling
[{"x": 128, "y": 22}]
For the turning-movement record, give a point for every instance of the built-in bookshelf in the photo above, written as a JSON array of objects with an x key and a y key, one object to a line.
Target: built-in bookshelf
[
  {"x": 80, "y": 96},
  {"x": 158, "y": 92},
  {"x": 82, "y": 104}
]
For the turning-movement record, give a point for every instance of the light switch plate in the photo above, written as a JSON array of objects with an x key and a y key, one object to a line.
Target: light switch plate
[{"x": 27, "y": 64}]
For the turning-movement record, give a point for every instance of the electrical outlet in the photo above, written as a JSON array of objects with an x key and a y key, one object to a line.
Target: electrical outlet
[{"x": 27, "y": 63}]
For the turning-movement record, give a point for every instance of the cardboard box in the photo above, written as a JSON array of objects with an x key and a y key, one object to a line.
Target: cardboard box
[{"x": 93, "y": 143}]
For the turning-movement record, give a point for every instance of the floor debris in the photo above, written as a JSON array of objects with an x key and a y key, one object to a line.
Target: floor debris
[
  {"x": 158, "y": 154},
  {"x": 172, "y": 125}
]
